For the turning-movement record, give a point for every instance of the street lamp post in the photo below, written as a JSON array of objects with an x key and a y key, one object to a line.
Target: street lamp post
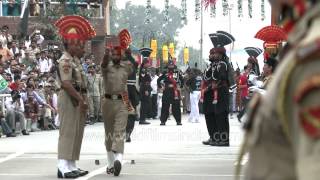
[
  {"x": 230, "y": 7},
  {"x": 201, "y": 38}
]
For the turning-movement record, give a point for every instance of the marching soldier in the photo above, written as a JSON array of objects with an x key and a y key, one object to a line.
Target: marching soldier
[
  {"x": 115, "y": 73},
  {"x": 72, "y": 105},
  {"x": 145, "y": 86},
  {"x": 283, "y": 132},
  {"x": 173, "y": 81},
  {"x": 216, "y": 114},
  {"x": 133, "y": 95},
  {"x": 94, "y": 86}
]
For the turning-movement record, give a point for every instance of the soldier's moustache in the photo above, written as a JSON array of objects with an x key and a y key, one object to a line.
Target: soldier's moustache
[{"x": 116, "y": 61}]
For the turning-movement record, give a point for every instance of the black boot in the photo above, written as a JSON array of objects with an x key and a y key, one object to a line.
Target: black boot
[
  {"x": 128, "y": 136},
  {"x": 24, "y": 132},
  {"x": 207, "y": 142}
]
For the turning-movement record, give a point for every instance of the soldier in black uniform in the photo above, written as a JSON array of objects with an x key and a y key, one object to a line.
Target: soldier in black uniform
[
  {"x": 133, "y": 95},
  {"x": 216, "y": 115},
  {"x": 145, "y": 86},
  {"x": 171, "y": 94}
]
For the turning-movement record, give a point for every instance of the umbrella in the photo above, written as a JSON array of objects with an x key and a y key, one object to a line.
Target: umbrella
[
  {"x": 272, "y": 34},
  {"x": 253, "y": 51}
]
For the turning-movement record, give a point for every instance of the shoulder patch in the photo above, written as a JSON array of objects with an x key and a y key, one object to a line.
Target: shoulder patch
[
  {"x": 310, "y": 121},
  {"x": 309, "y": 85}
]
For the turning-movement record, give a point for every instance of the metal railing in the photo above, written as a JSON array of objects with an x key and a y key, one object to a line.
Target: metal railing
[{"x": 2, "y": 100}]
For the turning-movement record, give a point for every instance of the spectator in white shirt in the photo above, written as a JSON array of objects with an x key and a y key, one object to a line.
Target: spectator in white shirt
[
  {"x": 15, "y": 112},
  {"x": 154, "y": 93},
  {"x": 13, "y": 48},
  {"x": 45, "y": 64}
]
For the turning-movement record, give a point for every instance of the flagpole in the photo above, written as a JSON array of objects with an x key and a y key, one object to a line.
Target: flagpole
[
  {"x": 24, "y": 8},
  {"x": 201, "y": 38}
]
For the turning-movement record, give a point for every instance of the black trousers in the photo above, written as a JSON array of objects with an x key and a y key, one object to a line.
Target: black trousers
[
  {"x": 245, "y": 103},
  {"x": 218, "y": 127},
  {"x": 130, "y": 125},
  {"x": 154, "y": 105},
  {"x": 176, "y": 111},
  {"x": 145, "y": 108}
]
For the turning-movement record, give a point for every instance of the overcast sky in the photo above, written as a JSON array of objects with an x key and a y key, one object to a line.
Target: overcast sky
[{"x": 243, "y": 29}]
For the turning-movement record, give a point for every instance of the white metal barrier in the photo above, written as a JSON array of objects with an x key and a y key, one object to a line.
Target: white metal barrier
[{"x": 2, "y": 100}]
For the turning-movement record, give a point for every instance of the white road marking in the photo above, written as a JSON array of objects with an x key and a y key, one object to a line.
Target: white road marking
[
  {"x": 194, "y": 175},
  {"x": 101, "y": 170},
  {"x": 93, "y": 173},
  {"x": 11, "y": 156},
  {"x": 139, "y": 158}
]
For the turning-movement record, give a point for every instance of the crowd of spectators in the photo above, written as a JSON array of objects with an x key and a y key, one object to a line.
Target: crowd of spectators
[{"x": 29, "y": 103}]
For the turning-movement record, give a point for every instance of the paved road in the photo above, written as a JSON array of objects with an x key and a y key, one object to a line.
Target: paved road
[{"x": 167, "y": 153}]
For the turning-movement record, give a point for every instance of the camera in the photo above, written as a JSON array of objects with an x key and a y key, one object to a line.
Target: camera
[{"x": 15, "y": 95}]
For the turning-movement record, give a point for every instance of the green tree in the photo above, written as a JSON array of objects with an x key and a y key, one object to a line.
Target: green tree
[{"x": 133, "y": 19}]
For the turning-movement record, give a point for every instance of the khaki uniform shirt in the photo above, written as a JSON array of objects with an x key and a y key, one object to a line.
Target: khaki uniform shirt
[
  {"x": 115, "y": 77},
  {"x": 284, "y": 125}
]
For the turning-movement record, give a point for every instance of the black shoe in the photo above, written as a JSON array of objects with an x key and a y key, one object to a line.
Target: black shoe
[
  {"x": 80, "y": 172},
  {"x": 207, "y": 142},
  {"x": 162, "y": 124},
  {"x": 11, "y": 135},
  {"x": 68, "y": 175},
  {"x": 110, "y": 171},
  {"x": 179, "y": 124},
  {"x": 128, "y": 140},
  {"x": 144, "y": 122},
  {"x": 117, "y": 167},
  {"x": 24, "y": 132}
]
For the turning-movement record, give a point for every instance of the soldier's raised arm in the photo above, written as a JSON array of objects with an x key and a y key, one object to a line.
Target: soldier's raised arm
[{"x": 106, "y": 59}]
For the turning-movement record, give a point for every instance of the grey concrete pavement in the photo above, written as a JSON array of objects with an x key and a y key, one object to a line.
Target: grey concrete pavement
[{"x": 160, "y": 152}]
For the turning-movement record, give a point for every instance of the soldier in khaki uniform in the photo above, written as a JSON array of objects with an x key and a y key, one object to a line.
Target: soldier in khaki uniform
[
  {"x": 94, "y": 86},
  {"x": 283, "y": 131},
  {"x": 115, "y": 72},
  {"x": 72, "y": 105}
]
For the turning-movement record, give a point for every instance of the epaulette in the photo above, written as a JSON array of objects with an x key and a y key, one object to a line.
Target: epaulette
[{"x": 308, "y": 52}]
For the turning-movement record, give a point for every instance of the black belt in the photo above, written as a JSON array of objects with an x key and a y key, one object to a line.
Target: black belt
[{"x": 113, "y": 97}]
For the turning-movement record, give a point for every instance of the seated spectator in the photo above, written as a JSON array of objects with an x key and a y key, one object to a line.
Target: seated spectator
[
  {"x": 15, "y": 112},
  {"x": 5, "y": 37},
  {"x": 16, "y": 84},
  {"x": 34, "y": 8},
  {"x": 6, "y": 130},
  {"x": 5, "y": 53},
  {"x": 31, "y": 113},
  {"x": 14, "y": 7},
  {"x": 13, "y": 48},
  {"x": 33, "y": 49}
]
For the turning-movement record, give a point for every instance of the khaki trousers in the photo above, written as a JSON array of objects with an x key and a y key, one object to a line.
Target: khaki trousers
[
  {"x": 72, "y": 122},
  {"x": 115, "y": 116}
]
